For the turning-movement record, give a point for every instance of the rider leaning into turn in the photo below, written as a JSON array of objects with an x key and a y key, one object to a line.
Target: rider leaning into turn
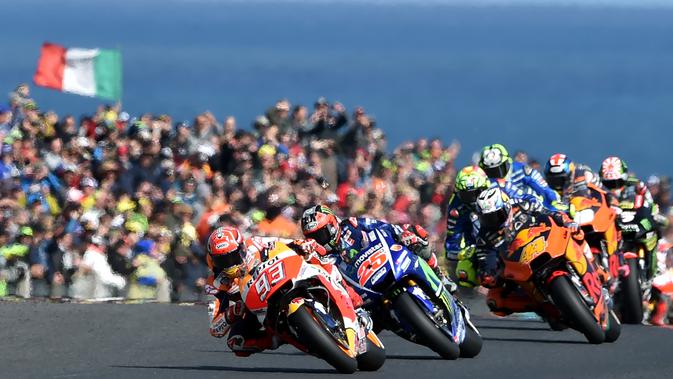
[
  {"x": 462, "y": 224},
  {"x": 498, "y": 165},
  {"x": 229, "y": 258},
  {"x": 500, "y": 222},
  {"x": 344, "y": 238}
]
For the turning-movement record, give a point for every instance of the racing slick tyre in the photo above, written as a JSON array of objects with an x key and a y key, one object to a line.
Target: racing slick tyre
[
  {"x": 574, "y": 310},
  {"x": 471, "y": 345},
  {"x": 630, "y": 296},
  {"x": 428, "y": 333},
  {"x": 556, "y": 325},
  {"x": 614, "y": 328},
  {"x": 320, "y": 342},
  {"x": 373, "y": 359}
]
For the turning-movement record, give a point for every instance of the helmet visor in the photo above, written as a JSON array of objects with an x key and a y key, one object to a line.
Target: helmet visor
[
  {"x": 469, "y": 196},
  {"x": 499, "y": 171},
  {"x": 321, "y": 236},
  {"x": 493, "y": 220},
  {"x": 225, "y": 261},
  {"x": 557, "y": 182},
  {"x": 613, "y": 184}
]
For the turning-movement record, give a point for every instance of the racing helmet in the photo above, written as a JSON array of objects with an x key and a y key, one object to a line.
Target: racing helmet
[
  {"x": 495, "y": 161},
  {"x": 470, "y": 182},
  {"x": 493, "y": 208},
  {"x": 321, "y": 224},
  {"x": 614, "y": 173},
  {"x": 559, "y": 171},
  {"x": 226, "y": 251}
]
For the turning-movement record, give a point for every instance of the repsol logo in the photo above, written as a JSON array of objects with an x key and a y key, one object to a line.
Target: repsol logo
[{"x": 367, "y": 253}]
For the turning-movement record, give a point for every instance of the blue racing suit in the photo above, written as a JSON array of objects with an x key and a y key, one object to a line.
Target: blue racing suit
[
  {"x": 531, "y": 181},
  {"x": 462, "y": 223},
  {"x": 354, "y": 230}
]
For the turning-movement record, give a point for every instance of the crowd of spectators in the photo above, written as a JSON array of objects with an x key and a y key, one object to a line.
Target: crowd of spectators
[{"x": 110, "y": 205}]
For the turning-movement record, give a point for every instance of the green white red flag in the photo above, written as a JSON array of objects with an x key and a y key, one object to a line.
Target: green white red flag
[{"x": 88, "y": 72}]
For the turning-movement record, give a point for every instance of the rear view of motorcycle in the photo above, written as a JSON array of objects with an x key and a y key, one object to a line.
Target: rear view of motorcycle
[
  {"x": 640, "y": 239},
  {"x": 599, "y": 221}
]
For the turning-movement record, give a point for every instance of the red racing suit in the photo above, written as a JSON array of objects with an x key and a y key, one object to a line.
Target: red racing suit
[{"x": 228, "y": 313}]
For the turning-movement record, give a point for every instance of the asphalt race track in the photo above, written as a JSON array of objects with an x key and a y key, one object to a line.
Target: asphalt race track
[{"x": 161, "y": 340}]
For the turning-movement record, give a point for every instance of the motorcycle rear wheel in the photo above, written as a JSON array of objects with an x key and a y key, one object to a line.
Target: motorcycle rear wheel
[{"x": 630, "y": 296}]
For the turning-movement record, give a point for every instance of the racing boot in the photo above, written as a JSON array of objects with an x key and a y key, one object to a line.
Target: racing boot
[{"x": 245, "y": 347}]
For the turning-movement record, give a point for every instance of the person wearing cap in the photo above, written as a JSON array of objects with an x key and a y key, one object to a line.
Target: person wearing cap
[
  {"x": 14, "y": 269},
  {"x": 279, "y": 115},
  {"x": 148, "y": 275}
]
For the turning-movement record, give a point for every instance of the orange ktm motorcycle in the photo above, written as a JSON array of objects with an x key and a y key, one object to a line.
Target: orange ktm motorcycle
[
  {"x": 307, "y": 307},
  {"x": 590, "y": 208},
  {"x": 559, "y": 280}
]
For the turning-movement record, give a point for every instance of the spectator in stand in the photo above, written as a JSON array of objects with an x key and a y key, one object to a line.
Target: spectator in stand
[{"x": 114, "y": 205}]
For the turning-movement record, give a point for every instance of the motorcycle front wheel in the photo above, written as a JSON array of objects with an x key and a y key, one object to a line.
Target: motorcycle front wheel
[
  {"x": 320, "y": 342},
  {"x": 429, "y": 334}
]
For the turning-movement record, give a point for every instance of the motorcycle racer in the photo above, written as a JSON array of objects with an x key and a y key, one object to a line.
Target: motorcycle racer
[
  {"x": 500, "y": 222},
  {"x": 342, "y": 239},
  {"x": 229, "y": 258},
  {"x": 631, "y": 192},
  {"x": 566, "y": 177},
  {"x": 615, "y": 177},
  {"x": 497, "y": 164},
  {"x": 462, "y": 224}
]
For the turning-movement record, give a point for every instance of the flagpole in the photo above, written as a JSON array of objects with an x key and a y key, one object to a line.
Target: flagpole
[{"x": 121, "y": 79}]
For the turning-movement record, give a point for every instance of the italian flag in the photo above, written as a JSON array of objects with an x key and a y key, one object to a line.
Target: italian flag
[{"x": 88, "y": 72}]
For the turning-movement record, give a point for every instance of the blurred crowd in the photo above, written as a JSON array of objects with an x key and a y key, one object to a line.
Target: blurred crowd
[{"x": 109, "y": 205}]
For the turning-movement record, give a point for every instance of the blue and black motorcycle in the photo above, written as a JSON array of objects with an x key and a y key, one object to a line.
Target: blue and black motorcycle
[{"x": 404, "y": 295}]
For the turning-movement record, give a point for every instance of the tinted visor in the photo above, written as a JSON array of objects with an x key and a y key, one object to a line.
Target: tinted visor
[
  {"x": 469, "y": 196},
  {"x": 493, "y": 220},
  {"x": 613, "y": 184},
  {"x": 497, "y": 172},
  {"x": 321, "y": 236},
  {"x": 224, "y": 261},
  {"x": 557, "y": 182}
]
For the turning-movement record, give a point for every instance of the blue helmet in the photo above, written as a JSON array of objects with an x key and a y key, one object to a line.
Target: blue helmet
[{"x": 559, "y": 172}]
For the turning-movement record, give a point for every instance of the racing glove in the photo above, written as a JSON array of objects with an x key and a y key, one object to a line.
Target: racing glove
[
  {"x": 414, "y": 235},
  {"x": 307, "y": 246}
]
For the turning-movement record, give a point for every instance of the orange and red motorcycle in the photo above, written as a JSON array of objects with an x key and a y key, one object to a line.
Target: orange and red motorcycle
[
  {"x": 591, "y": 209},
  {"x": 308, "y": 307},
  {"x": 559, "y": 279}
]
